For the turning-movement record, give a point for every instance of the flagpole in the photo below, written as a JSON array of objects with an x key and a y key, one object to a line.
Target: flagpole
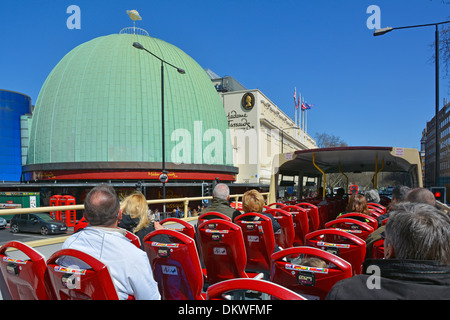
[
  {"x": 303, "y": 121},
  {"x": 299, "y": 107},
  {"x": 306, "y": 121},
  {"x": 295, "y": 103}
]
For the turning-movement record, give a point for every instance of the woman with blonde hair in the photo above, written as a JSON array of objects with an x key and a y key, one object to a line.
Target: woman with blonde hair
[
  {"x": 253, "y": 201},
  {"x": 135, "y": 218}
]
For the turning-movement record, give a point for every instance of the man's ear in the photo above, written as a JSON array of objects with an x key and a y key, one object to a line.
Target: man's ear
[
  {"x": 85, "y": 216},
  {"x": 119, "y": 215},
  {"x": 389, "y": 252}
]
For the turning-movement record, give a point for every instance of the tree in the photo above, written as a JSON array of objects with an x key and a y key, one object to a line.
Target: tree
[
  {"x": 444, "y": 46},
  {"x": 325, "y": 140}
]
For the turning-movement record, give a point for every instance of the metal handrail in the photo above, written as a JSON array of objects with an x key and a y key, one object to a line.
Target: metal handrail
[
  {"x": 185, "y": 201},
  {"x": 55, "y": 240}
]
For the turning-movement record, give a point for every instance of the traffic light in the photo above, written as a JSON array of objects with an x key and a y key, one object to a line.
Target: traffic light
[
  {"x": 206, "y": 189},
  {"x": 439, "y": 193}
]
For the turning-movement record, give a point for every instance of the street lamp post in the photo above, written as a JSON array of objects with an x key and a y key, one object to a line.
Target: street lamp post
[
  {"x": 139, "y": 46},
  {"x": 382, "y": 31}
]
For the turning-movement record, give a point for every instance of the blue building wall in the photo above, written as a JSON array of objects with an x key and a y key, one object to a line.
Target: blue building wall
[{"x": 12, "y": 106}]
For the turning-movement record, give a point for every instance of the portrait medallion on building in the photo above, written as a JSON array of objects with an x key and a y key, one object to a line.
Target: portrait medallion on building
[{"x": 248, "y": 101}]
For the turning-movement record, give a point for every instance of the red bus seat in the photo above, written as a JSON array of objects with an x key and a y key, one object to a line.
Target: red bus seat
[
  {"x": 276, "y": 204},
  {"x": 25, "y": 279},
  {"x": 175, "y": 265},
  {"x": 94, "y": 283},
  {"x": 343, "y": 244},
  {"x": 378, "y": 249},
  {"x": 223, "y": 250},
  {"x": 353, "y": 226},
  {"x": 259, "y": 241},
  {"x": 377, "y": 205},
  {"x": 322, "y": 208},
  {"x": 311, "y": 282},
  {"x": 313, "y": 215},
  {"x": 371, "y": 221},
  {"x": 212, "y": 215},
  {"x": 133, "y": 238},
  {"x": 285, "y": 236},
  {"x": 219, "y": 290},
  {"x": 302, "y": 223},
  {"x": 375, "y": 213},
  {"x": 187, "y": 229}
]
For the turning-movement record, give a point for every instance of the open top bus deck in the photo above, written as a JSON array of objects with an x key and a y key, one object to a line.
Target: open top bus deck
[{"x": 322, "y": 161}]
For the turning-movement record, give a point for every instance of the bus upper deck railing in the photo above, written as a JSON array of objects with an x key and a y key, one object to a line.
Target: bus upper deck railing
[
  {"x": 185, "y": 202},
  {"x": 56, "y": 240}
]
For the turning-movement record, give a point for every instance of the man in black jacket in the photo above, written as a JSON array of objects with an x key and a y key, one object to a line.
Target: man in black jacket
[
  {"x": 417, "y": 259},
  {"x": 220, "y": 201}
]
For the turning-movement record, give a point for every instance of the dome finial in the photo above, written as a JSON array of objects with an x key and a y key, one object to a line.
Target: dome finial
[{"x": 135, "y": 16}]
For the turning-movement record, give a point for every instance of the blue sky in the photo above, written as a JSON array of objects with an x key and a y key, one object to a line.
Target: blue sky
[{"x": 376, "y": 91}]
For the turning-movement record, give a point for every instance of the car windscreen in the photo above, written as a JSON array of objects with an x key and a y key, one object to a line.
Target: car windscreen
[{"x": 44, "y": 216}]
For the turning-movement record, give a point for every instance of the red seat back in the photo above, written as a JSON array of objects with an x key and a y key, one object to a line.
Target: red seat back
[
  {"x": 378, "y": 249},
  {"x": 343, "y": 244},
  {"x": 212, "y": 215},
  {"x": 218, "y": 290},
  {"x": 371, "y": 221},
  {"x": 302, "y": 223},
  {"x": 133, "y": 238},
  {"x": 73, "y": 283},
  {"x": 322, "y": 208},
  {"x": 175, "y": 265},
  {"x": 187, "y": 228},
  {"x": 223, "y": 250},
  {"x": 25, "y": 279},
  {"x": 375, "y": 213},
  {"x": 276, "y": 204},
  {"x": 311, "y": 282},
  {"x": 258, "y": 238},
  {"x": 313, "y": 215},
  {"x": 285, "y": 236},
  {"x": 378, "y": 206},
  {"x": 353, "y": 226}
]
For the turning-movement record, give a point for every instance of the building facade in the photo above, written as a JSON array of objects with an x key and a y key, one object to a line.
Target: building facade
[
  {"x": 428, "y": 144},
  {"x": 259, "y": 130},
  {"x": 13, "y": 106}
]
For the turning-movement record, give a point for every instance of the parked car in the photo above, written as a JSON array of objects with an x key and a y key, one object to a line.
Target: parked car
[
  {"x": 3, "y": 223},
  {"x": 36, "y": 222}
]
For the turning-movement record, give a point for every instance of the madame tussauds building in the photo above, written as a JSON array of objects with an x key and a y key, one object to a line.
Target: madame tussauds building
[{"x": 98, "y": 117}]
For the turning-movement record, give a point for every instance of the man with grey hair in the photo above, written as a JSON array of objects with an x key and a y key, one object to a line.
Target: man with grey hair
[
  {"x": 128, "y": 265},
  {"x": 220, "y": 202},
  {"x": 372, "y": 196},
  {"x": 417, "y": 259}
]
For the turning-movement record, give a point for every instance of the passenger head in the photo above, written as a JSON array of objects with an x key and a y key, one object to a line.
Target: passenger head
[
  {"x": 421, "y": 195},
  {"x": 135, "y": 205},
  {"x": 221, "y": 191},
  {"x": 357, "y": 203},
  {"x": 418, "y": 231},
  {"x": 399, "y": 194},
  {"x": 252, "y": 201},
  {"x": 340, "y": 192},
  {"x": 314, "y": 262},
  {"x": 101, "y": 206},
  {"x": 372, "y": 196}
]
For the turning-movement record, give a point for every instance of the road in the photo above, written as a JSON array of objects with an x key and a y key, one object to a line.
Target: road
[{"x": 6, "y": 235}]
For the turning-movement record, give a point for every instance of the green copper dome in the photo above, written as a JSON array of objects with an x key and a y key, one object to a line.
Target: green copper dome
[{"x": 102, "y": 103}]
